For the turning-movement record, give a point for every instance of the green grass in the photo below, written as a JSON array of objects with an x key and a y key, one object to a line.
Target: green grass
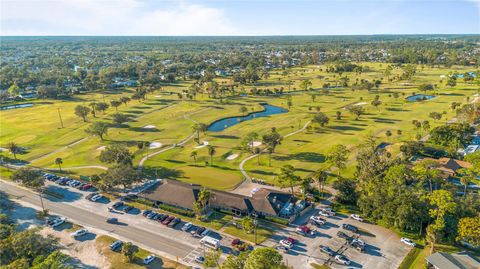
[
  {"x": 37, "y": 128},
  {"x": 117, "y": 260},
  {"x": 263, "y": 233},
  {"x": 6, "y": 173}
]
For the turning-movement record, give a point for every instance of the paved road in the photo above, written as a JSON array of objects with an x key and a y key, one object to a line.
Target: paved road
[{"x": 92, "y": 219}]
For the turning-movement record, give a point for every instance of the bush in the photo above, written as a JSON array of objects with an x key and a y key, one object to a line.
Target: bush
[
  {"x": 277, "y": 220},
  {"x": 177, "y": 210}
]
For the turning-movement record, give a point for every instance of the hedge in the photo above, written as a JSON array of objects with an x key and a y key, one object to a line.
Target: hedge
[
  {"x": 177, "y": 210},
  {"x": 277, "y": 220}
]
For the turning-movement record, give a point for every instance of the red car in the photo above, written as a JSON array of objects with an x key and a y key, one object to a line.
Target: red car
[
  {"x": 86, "y": 187},
  {"x": 291, "y": 240},
  {"x": 167, "y": 220},
  {"x": 236, "y": 242}
]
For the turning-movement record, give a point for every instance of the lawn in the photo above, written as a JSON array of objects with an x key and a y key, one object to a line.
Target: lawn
[
  {"x": 117, "y": 260},
  {"x": 37, "y": 128}
]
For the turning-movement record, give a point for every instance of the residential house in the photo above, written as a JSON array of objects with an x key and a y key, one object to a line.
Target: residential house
[
  {"x": 450, "y": 167},
  {"x": 441, "y": 260}
]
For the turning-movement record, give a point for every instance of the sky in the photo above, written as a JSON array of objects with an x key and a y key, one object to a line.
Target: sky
[{"x": 237, "y": 17}]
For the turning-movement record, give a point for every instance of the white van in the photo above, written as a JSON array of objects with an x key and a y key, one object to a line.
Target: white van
[{"x": 210, "y": 242}]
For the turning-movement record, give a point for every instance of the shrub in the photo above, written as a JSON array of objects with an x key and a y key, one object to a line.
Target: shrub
[{"x": 177, "y": 210}]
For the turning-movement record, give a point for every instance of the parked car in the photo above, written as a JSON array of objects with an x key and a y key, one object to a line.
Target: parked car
[
  {"x": 117, "y": 205},
  {"x": 146, "y": 212},
  {"x": 80, "y": 185},
  {"x": 323, "y": 213},
  {"x": 127, "y": 208},
  {"x": 407, "y": 241},
  {"x": 96, "y": 198},
  {"x": 350, "y": 227},
  {"x": 304, "y": 230},
  {"x": 79, "y": 233},
  {"x": 358, "y": 244},
  {"x": 87, "y": 187},
  {"x": 200, "y": 259},
  {"x": 57, "y": 222},
  {"x": 282, "y": 248},
  {"x": 286, "y": 243},
  {"x": 343, "y": 235},
  {"x": 149, "y": 259},
  {"x": 197, "y": 232},
  {"x": 342, "y": 260},
  {"x": 174, "y": 222},
  {"x": 112, "y": 220},
  {"x": 318, "y": 220},
  {"x": 168, "y": 220},
  {"x": 205, "y": 233},
  {"x": 116, "y": 245},
  {"x": 162, "y": 217},
  {"x": 356, "y": 217},
  {"x": 151, "y": 215},
  {"x": 327, "y": 250},
  {"x": 187, "y": 226}
]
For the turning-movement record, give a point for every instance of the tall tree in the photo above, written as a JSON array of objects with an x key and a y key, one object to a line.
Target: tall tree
[
  {"x": 194, "y": 155},
  {"x": 287, "y": 175},
  {"x": 265, "y": 258},
  {"x": 337, "y": 156},
  {"x": 321, "y": 119},
  {"x": 59, "y": 162},
  {"x": 14, "y": 148},
  {"x": 117, "y": 154},
  {"x": 98, "y": 128},
  {"x": 211, "y": 151},
  {"x": 320, "y": 176},
  {"x": 30, "y": 178},
  {"x": 82, "y": 112}
]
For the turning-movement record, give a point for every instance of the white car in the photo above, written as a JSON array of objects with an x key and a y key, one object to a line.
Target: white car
[
  {"x": 407, "y": 241},
  {"x": 323, "y": 214},
  {"x": 79, "y": 233},
  {"x": 317, "y": 220},
  {"x": 187, "y": 226},
  {"x": 286, "y": 243},
  {"x": 58, "y": 222},
  {"x": 96, "y": 198},
  {"x": 148, "y": 259},
  {"x": 328, "y": 210},
  {"x": 356, "y": 217},
  {"x": 342, "y": 259}
]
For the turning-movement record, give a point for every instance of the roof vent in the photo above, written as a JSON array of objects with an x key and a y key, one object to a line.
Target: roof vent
[{"x": 274, "y": 200}]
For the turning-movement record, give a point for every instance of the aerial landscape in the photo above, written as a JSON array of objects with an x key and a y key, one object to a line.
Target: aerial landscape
[{"x": 183, "y": 135}]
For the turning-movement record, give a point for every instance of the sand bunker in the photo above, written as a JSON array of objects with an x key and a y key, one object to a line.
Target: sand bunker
[
  {"x": 149, "y": 127},
  {"x": 204, "y": 144},
  {"x": 155, "y": 145},
  {"x": 101, "y": 148},
  {"x": 255, "y": 143},
  {"x": 232, "y": 157},
  {"x": 360, "y": 104}
]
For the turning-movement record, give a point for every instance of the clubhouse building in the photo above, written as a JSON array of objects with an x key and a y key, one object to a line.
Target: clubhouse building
[{"x": 263, "y": 202}]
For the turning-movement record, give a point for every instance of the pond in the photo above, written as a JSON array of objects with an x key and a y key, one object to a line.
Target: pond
[
  {"x": 223, "y": 124},
  {"x": 15, "y": 106},
  {"x": 420, "y": 97}
]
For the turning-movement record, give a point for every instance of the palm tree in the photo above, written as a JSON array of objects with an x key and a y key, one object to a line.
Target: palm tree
[
  {"x": 194, "y": 155},
  {"x": 14, "y": 149},
  {"x": 468, "y": 176},
  {"x": 59, "y": 162},
  {"x": 211, "y": 152},
  {"x": 199, "y": 127},
  {"x": 204, "y": 196},
  {"x": 320, "y": 176}
]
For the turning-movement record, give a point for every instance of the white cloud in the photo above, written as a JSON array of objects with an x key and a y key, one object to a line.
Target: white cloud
[{"x": 111, "y": 17}]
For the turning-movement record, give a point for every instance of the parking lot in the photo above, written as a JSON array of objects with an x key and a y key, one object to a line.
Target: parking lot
[
  {"x": 383, "y": 247},
  {"x": 134, "y": 217}
]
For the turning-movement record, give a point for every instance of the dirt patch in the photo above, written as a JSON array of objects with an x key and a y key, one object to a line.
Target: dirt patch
[{"x": 83, "y": 251}]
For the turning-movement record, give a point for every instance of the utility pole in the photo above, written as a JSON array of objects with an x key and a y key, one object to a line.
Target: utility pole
[
  {"x": 60, "y": 116},
  {"x": 255, "y": 229}
]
